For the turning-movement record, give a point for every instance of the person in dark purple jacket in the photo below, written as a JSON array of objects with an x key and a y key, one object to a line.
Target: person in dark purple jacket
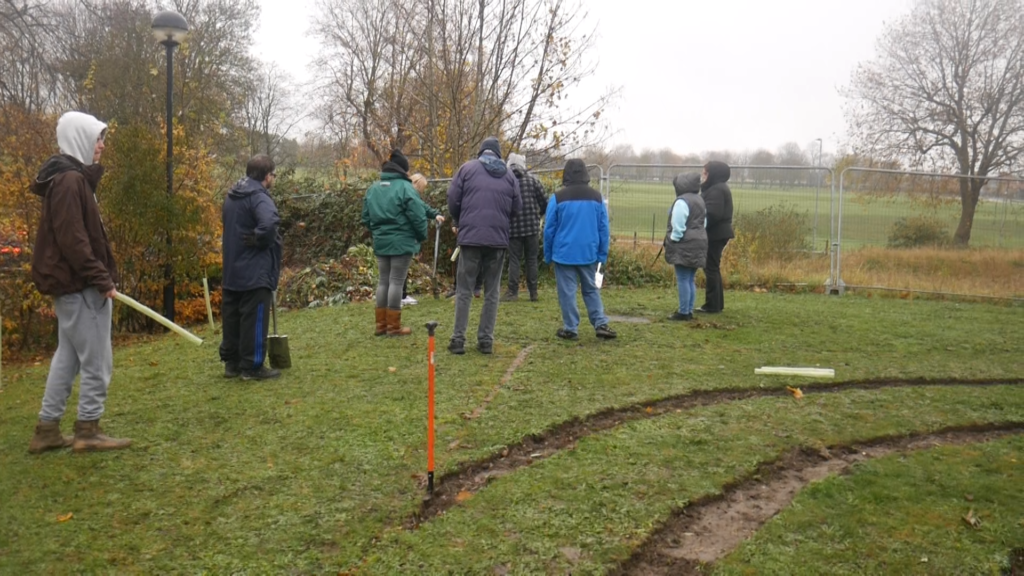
[{"x": 483, "y": 196}]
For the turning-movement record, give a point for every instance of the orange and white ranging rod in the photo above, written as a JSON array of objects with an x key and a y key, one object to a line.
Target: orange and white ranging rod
[{"x": 431, "y": 326}]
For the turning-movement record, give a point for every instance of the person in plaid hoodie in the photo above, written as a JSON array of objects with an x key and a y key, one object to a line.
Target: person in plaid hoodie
[{"x": 524, "y": 230}]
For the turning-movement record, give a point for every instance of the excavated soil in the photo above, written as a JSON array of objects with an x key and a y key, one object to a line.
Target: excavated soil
[
  {"x": 472, "y": 476},
  {"x": 710, "y": 528}
]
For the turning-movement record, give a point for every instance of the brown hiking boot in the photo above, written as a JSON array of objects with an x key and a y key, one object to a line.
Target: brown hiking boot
[
  {"x": 395, "y": 327},
  {"x": 382, "y": 322},
  {"x": 48, "y": 437},
  {"x": 90, "y": 438}
]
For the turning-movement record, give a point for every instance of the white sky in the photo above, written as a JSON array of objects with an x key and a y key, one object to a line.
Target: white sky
[{"x": 694, "y": 76}]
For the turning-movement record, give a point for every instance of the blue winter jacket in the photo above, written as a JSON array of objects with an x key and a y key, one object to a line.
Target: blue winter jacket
[
  {"x": 576, "y": 222},
  {"x": 251, "y": 246}
]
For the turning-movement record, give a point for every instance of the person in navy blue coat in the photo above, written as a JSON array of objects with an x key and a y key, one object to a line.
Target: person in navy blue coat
[
  {"x": 576, "y": 237},
  {"x": 251, "y": 250}
]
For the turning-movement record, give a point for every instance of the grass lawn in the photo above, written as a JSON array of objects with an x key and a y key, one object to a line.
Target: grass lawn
[
  {"x": 317, "y": 472},
  {"x": 867, "y": 219}
]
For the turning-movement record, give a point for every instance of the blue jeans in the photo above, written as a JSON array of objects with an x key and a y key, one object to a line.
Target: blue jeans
[
  {"x": 687, "y": 288},
  {"x": 567, "y": 277}
]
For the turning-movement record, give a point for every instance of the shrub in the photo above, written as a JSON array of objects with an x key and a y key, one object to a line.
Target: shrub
[
  {"x": 778, "y": 232},
  {"x": 628, "y": 267},
  {"x": 917, "y": 231},
  {"x": 321, "y": 220},
  {"x": 351, "y": 278}
]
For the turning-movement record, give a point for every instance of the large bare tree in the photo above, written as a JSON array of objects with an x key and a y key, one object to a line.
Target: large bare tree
[
  {"x": 946, "y": 87},
  {"x": 437, "y": 76}
]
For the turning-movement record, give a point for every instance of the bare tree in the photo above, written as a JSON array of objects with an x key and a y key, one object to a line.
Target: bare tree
[
  {"x": 946, "y": 86},
  {"x": 27, "y": 76},
  {"x": 269, "y": 111},
  {"x": 437, "y": 76}
]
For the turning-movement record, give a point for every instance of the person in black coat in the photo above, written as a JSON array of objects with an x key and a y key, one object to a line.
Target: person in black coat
[
  {"x": 718, "y": 200},
  {"x": 251, "y": 250}
]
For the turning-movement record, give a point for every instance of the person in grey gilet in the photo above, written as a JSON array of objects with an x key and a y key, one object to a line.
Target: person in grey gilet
[{"x": 686, "y": 240}]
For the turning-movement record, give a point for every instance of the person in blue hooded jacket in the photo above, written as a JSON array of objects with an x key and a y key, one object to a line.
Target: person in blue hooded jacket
[
  {"x": 251, "y": 250},
  {"x": 576, "y": 237}
]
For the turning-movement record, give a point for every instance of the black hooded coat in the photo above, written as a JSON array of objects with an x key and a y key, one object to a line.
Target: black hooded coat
[{"x": 718, "y": 201}]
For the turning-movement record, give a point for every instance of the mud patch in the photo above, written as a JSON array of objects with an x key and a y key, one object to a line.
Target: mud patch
[
  {"x": 629, "y": 319},
  {"x": 504, "y": 380},
  {"x": 1016, "y": 563},
  {"x": 710, "y": 528},
  {"x": 472, "y": 476}
]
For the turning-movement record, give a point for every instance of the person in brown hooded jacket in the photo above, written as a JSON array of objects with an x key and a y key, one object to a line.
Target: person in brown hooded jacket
[{"x": 72, "y": 262}]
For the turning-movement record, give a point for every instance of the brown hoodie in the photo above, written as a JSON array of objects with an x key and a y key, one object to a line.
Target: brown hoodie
[{"x": 71, "y": 250}]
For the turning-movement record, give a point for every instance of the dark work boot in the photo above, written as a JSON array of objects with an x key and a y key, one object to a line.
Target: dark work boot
[
  {"x": 261, "y": 373},
  {"x": 457, "y": 347},
  {"x": 89, "y": 437},
  {"x": 48, "y": 437},
  {"x": 605, "y": 333},
  {"x": 231, "y": 370}
]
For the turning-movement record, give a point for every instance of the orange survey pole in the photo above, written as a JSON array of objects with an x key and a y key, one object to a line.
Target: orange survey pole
[{"x": 431, "y": 326}]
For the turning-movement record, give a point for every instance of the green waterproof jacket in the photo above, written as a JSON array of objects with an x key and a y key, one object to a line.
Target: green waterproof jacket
[{"x": 395, "y": 215}]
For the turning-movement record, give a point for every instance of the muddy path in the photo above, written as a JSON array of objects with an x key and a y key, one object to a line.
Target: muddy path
[
  {"x": 472, "y": 476},
  {"x": 709, "y": 528}
]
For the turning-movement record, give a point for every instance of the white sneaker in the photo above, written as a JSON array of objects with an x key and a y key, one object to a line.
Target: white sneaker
[{"x": 409, "y": 301}]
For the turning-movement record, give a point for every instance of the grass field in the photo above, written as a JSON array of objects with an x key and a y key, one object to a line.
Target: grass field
[
  {"x": 320, "y": 471},
  {"x": 867, "y": 219}
]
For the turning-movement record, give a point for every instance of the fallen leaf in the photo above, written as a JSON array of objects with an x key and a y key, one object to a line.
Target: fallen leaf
[
  {"x": 454, "y": 445},
  {"x": 291, "y": 402},
  {"x": 649, "y": 410},
  {"x": 463, "y": 496},
  {"x": 65, "y": 517},
  {"x": 392, "y": 369},
  {"x": 573, "y": 554},
  {"x": 796, "y": 392},
  {"x": 154, "y": 363},
  {"x": 969, "y": 497},
  {"x": 972, "y": 520}
]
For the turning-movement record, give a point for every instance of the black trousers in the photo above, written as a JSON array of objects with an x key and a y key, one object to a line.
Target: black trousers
[
  {"x": 714, "y": 296},
  {"x": 246, "y": 318},
  {"x": 518, "y": 247}
]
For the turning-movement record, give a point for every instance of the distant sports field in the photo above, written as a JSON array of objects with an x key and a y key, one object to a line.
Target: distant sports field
[{"x": 637, "y": 207}]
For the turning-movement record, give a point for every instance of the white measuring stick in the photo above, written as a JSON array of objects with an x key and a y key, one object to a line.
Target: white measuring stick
[
  {"x": 792, "y": 371},
  {"x": 131, "y": 302}
]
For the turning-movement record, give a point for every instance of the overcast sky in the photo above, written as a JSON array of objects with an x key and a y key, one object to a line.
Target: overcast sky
[{"x": 694, "y": 76}]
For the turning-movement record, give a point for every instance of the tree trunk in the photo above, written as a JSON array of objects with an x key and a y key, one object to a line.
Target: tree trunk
[{"x": 969, "y": 192}]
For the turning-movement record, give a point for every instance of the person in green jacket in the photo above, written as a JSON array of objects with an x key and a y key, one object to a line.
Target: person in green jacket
[{"x": 397, "y": 219}]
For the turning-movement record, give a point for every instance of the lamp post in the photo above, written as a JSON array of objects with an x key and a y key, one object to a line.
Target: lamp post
[
  {"x": 817, "y": 188},
  {"x": 170, "y": 29}
]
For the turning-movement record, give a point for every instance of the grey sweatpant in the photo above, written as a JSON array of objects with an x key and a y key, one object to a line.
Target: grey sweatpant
[
  {"x": 83, "y": 346},
  {"x": 477, "y": 262}
]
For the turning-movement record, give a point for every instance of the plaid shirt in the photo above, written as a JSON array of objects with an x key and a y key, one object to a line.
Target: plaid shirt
[{"x": 535, "y": 203}]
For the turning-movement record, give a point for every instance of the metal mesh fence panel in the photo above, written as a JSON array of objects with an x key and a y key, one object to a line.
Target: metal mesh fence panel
[
  {"x": 798, "y": 197},
  {"x": 889, "y": 219}
]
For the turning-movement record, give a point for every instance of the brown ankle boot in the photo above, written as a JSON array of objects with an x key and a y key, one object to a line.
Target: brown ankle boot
[
  {"x": 382, "y": 322},
  {"x": 48, "y": 437},
  {"x": 395, "y": 327},
  {"x": 90, "y": 438}
]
